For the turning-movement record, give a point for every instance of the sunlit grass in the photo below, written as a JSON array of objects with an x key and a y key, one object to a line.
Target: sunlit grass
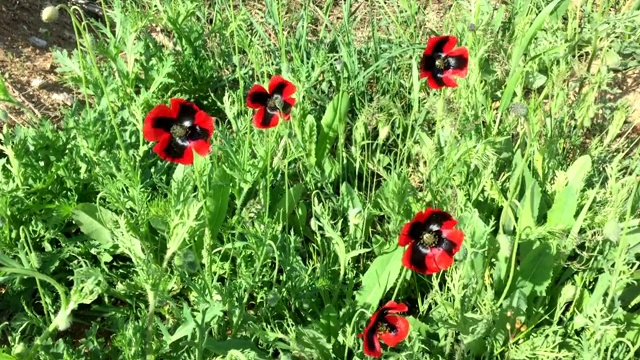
[{"x": 282, "y": 243}]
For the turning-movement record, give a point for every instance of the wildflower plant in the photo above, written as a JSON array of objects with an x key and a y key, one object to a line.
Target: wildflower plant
[{"x": 387, "y": 219}]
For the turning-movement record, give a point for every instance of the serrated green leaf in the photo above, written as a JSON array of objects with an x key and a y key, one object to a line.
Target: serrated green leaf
[
  {"x": 379, "y": 278},
  {"x": 88, "y": 284},
  {"x": 186, "y": 328},
  {"x": 94, "y": 222}
]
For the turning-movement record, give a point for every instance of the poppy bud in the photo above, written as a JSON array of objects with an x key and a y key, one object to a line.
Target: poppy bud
[{"x": 49, "y": 14}]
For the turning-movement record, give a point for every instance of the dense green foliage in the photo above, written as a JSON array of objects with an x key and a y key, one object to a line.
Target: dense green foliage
[{"x": 283, "y": 242}]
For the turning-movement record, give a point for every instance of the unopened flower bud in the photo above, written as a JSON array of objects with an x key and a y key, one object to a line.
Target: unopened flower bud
[{"x": 49, "y": 14}]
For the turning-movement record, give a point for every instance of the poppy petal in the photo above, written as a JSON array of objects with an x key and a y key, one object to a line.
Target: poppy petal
[
  {"x": 202, "y": 147},
  {"x": 257, "y": 97},
  {"x": 431, "y": 265},
  {"x": 400, "y": 332},
  {"x": 404, "y": 239},
  {"x": 458, "y": 61},
  {"x": 456, "y": 236},
  {"x": 392, "y": 307},
  {"x": 287, "y": 105},
  {"x": 178, "y": 103},
  {"x": 175, "y": 151},
  {"x": 281, "y": 86},
  {"x": 448, "y": 80},
  {"x": 423, "y": 215},
  {"x": 440, "y": 44},
  {"x": 372, "y": 343},
  {"x": 449, "y": 224},
  {"x": 435, "y": 82},
  {"x": 442, "y": 259},
  {"x": 263, "y": 119},
  {"x": 437, "y": 218},
  {"x": 204, "y": 121},
  {"x": 414, "y": 259},
  {"x": 158, "y": 122}
]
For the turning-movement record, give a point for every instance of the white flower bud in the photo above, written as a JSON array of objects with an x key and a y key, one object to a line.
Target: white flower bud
[{"x": 49, "y": 14}]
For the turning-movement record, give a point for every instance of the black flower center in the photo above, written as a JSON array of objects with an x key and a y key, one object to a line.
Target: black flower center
[
  {"x": 179, "y": 131},
  {"x": 275, "y": 103},
  {"x": 384, "y": 326}
]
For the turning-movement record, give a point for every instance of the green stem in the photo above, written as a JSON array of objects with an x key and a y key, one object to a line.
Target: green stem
[
  {"x": 151, "y": 311},
  {"x": 403, "y": 274}
]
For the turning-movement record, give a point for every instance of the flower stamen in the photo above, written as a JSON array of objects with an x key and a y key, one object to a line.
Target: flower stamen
[
  {"x": 275, "y": 103},
  {"x": 428, "y": 239},
  {"x": 178, "y": 131}
]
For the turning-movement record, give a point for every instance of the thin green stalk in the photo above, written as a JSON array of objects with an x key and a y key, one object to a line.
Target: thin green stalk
[
  {"x": 403, "y": 274},
  {"x": 150, "y": 315},
  {"x": 87, "y": 42}
]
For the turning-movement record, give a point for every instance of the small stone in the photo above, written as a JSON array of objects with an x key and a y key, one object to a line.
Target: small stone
[
  {"x": 63, "y": 97},
  {"x": 472, "y": 27},
  {"x": 36, "y": 83},
  {"x": 37, "y": 42}
]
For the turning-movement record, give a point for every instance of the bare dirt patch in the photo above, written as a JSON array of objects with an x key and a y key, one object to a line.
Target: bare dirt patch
[{"x": 26, "y": 61}]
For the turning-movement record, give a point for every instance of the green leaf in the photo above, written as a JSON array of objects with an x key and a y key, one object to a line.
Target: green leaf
[
  {"x": 565, "y": 204},
  {"x": 529, "y": 205},
  {"x": 536, "y": 268},
  {"x": 312, "y": 343},
  {"x": 379, "y": 278},
  {"x": 186, "y": 328},
  {"x": 6, "y": 357},
  {"x": 333, "y": 123},
  {"x": 88, "y": 284},
  {"x": 505, "y": 246},
  {"x": 578, "y": 171},
  {"x": 224, "y": 347},
  {"x": 94, "y": 222},
  {"x": 595, "y": 301},
  {"x": 518, "y": 53},
  {"x": 288, "y": 202},
  {"x": 330, "y": 322}
]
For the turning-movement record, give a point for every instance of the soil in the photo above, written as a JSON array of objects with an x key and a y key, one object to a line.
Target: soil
[{"x": 26, "y": 67}]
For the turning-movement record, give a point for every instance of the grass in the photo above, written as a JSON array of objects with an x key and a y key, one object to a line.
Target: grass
[{"x": 282, "y": 243}]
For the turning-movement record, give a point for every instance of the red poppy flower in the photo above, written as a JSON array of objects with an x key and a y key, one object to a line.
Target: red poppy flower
[
  {"x": 432, "y": 241},
  {"x": 391, "y": 329},
  {"x": 178, "y": 129},
  {"x": 273, "y": 104},
  {"x": 442, "y": 61}
]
